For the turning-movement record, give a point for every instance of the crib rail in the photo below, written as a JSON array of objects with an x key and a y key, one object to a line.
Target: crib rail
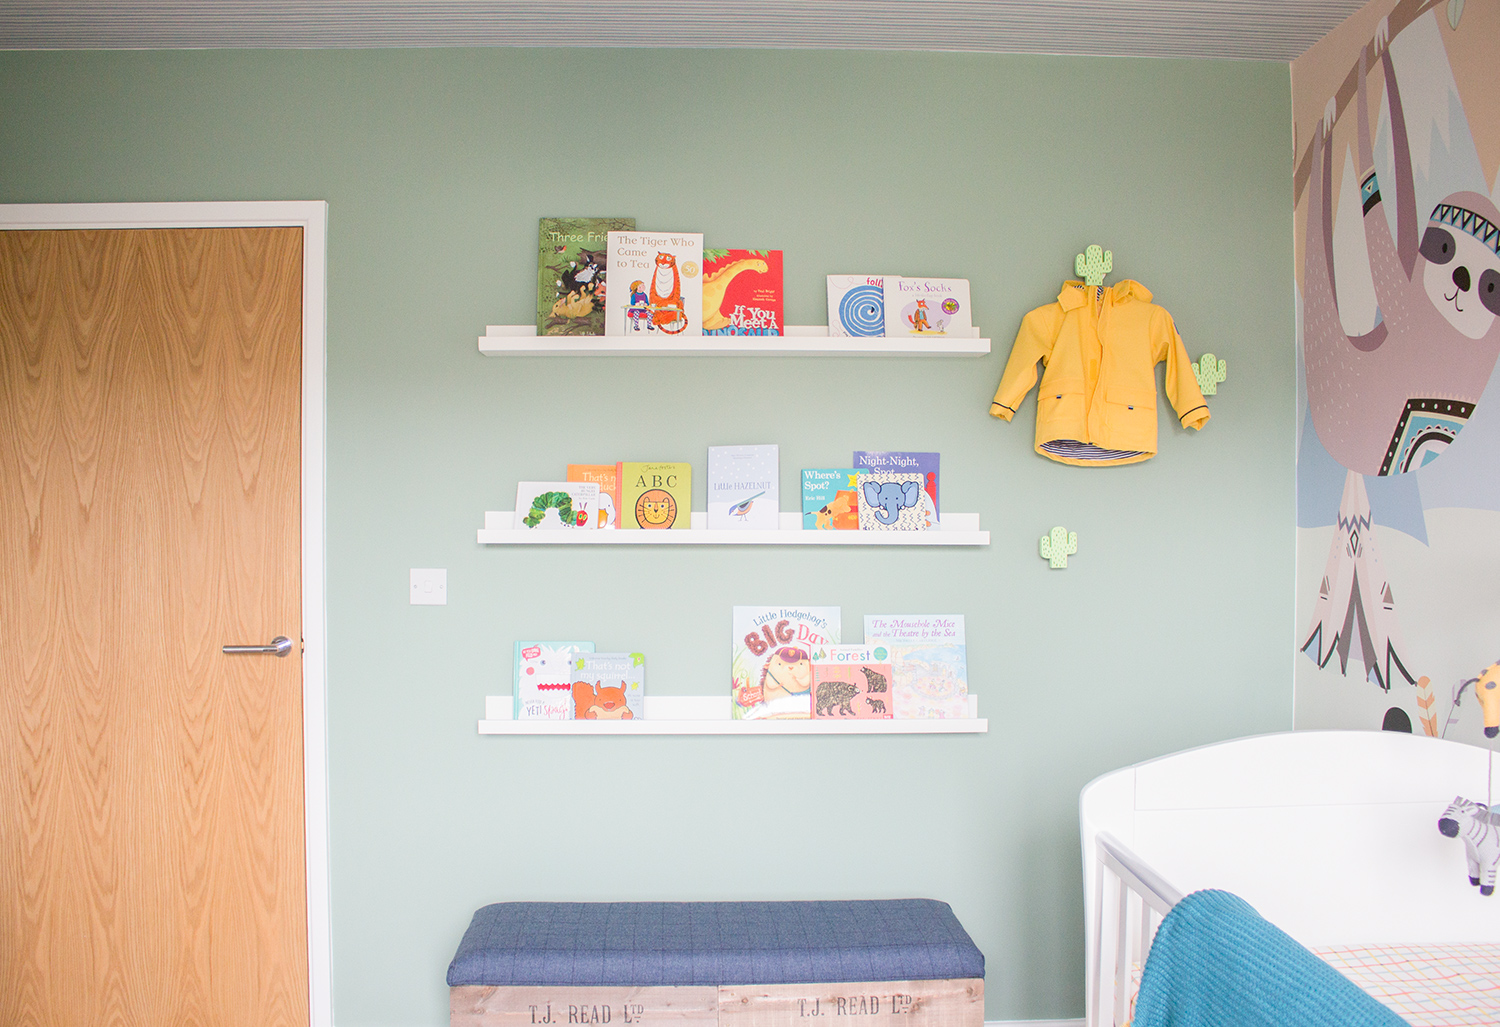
[{"x": 1130, "y": 901}]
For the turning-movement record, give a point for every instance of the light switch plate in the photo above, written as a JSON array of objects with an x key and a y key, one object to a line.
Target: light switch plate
[{"x": 429, "y": 586}]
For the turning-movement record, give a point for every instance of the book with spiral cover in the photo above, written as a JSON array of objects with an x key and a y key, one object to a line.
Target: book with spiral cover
[{"x": 856, "y": 305}]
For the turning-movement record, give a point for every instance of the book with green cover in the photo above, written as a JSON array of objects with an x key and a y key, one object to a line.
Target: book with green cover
[
  {"x": 571, "y": 263},
  {"x": 656, "y": 496}
]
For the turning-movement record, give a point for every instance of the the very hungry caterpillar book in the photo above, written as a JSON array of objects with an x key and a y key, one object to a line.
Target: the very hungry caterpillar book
[
  {"x": 852, "y": 681},
  {"x": 543, "y": 687},
  {"x": 568, "y": 505},
  {"x": 656, "y": 284},
  {"x": 744, "y": 487},
  {"x": 742, "y": 292},
  {"x": 572, "y": 258},
  {"x": 929, "y": 663},
  {"x": 830, "y": 499},
  {"x": 771, "y": 659},
  {"x": 609, "y": 686},
  {"x": 656, "y": 496}
]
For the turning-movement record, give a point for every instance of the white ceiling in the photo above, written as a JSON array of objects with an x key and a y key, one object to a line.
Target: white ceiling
[{"x": 1278, "y": 30}]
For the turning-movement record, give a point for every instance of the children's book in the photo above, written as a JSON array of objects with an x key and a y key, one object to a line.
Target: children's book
[
  {"x": 556, "y": 504},
  {"x": 892, "y": 501},
  {"x": 607, "y": 477},
  {"x": 771, "y": 659},
  {"x": 930, "y": 675},
  {"x": 744, "y": 487},
  {"x": 543, "y": 688},
  {"x": 851, "y": 681},
  {"x": 925, "y": 464},
  {"x": 656, "y": 496},
  {"x": 856, "y": 305},
  {"x": 927, "y": 306},
  {"x": 742, "y": 292},
  {"x": 830, "y": 499},
  {"x": 609, "y": 686},
  {"x": 657, "y": 284},
  {"x": 572, "y": 254}
]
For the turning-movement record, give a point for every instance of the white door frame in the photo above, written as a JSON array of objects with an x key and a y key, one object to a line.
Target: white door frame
[{"x": 312, "y": 217}]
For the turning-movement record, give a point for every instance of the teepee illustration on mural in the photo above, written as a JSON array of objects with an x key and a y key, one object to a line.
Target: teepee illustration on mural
[{"x": 1354, "y": 603}]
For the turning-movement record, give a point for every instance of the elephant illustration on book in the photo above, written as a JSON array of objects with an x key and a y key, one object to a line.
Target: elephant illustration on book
[{"x": 887, "y": 499}]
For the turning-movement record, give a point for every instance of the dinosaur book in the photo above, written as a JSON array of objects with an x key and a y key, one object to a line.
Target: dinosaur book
[
  {"x": 742, "y": 292},
  {"x": 926, "y": 464},
  {"x": 570, "y": 273},
  {"x": 656, "y": 496},
  {"x": 851, "y": 682},
  {"x": 927, "y": 307},
  {"x": 830, "y": 499},
  {"x": 656, "y": 290},
  {"x": 771, "y": 659},
  {"x": 608, "y": 686},
  {"x": 561, "y": 505},
  {"x": 543, "y": 688},
  {"x": 929, "y": 664},
  {"x": 744, "y": 487}
]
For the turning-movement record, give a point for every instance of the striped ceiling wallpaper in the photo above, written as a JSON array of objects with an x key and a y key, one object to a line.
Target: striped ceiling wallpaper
[{"x": 1278, "y": 30}]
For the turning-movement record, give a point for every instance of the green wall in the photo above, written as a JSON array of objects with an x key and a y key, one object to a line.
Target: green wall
[{"x": 1170, "y": 628}]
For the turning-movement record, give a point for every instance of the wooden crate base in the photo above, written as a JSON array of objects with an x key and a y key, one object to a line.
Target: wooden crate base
[{"x": 955, "y": 1002}]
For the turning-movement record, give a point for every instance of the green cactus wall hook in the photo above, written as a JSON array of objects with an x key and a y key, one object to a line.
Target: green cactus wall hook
[
  {"x": 1093, "y": 264},
  {"x": 1058, "y": 545},
  {"x": 1210, "y": 373}
]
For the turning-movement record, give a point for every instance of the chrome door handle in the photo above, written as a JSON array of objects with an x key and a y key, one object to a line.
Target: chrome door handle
[{"x": 280, "y": 646}]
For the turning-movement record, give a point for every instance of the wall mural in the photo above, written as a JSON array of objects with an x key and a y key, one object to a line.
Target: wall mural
[{"x": 1397, "y": 122}]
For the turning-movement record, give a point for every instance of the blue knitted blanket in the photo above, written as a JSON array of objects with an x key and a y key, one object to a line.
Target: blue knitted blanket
[{"x": 1216, "y": 962}]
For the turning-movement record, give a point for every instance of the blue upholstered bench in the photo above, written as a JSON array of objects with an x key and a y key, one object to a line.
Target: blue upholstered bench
[{"x": 886, "y": 963}]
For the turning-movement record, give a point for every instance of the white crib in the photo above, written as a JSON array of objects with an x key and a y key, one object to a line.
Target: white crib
[{"x": 1330, "y": 835}]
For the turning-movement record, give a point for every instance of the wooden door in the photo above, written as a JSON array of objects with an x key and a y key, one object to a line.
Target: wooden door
[{"x": 151, "y": 798}]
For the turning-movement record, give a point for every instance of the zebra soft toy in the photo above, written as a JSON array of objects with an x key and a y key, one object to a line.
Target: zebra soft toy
[{"x": 1480, "y": 830}]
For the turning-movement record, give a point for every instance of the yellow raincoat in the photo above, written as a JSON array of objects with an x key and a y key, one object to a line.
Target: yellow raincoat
[{"x": 1097, "y": 403}]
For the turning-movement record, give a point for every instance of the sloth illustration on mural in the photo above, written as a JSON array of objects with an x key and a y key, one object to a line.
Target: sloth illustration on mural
[{"x": 1391, "y": 400}]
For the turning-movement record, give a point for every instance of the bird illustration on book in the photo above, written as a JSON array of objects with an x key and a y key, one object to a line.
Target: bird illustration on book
[{"x": 742, "y": 508}]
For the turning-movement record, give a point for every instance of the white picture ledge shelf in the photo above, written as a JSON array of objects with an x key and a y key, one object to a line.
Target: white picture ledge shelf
[
  {"x": 799, "y": 340},
  {"x": 955, "y": 529},
  {"x": 709, "y": 715}
]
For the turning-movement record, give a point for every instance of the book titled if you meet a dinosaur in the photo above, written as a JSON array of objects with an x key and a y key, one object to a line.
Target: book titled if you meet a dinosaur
[{"x": 742, "y": 292}]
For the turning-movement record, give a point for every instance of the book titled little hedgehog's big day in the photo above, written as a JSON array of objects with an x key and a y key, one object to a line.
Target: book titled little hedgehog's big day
[{"x": 571, "y": 268}]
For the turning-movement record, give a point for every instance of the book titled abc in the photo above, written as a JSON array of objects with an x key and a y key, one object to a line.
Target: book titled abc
[{"x": 656, "y": 497}]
